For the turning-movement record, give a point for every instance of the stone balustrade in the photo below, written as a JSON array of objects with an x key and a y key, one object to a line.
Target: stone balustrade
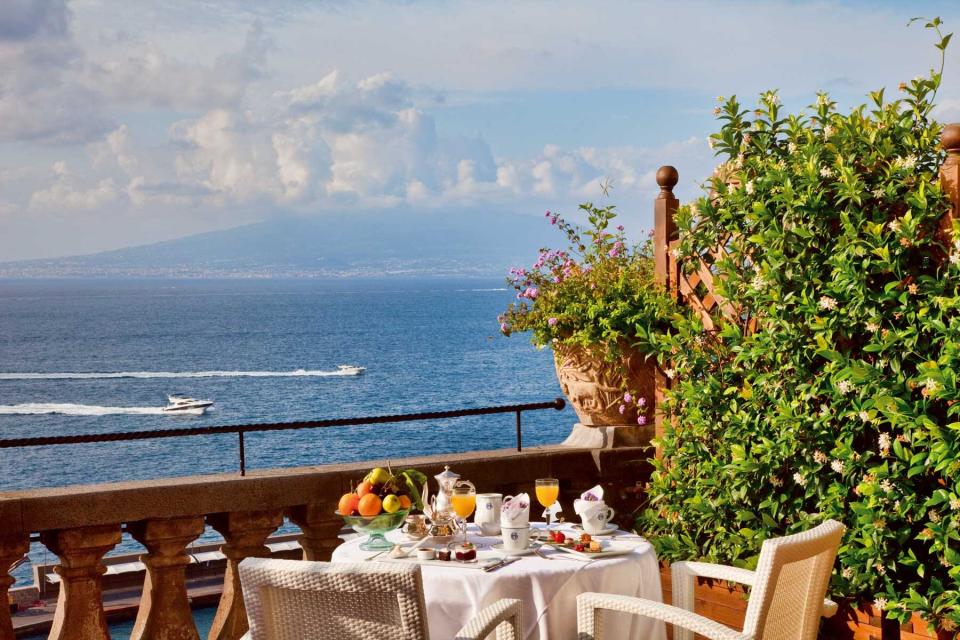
[{"x": 80, "y": 524}]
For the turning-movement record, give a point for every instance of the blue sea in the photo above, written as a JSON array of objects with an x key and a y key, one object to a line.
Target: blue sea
[{"x": 264, "y": 351}]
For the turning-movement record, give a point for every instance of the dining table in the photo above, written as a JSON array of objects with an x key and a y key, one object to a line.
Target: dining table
[{"x": 546, "y": 582}]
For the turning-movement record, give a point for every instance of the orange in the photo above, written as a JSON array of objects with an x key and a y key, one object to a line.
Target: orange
[
  {"x": 369, "y": 505},
  {"x": 405, "y": 502},
  {"x": 364, "y": 488},
  {"x": 348, "y": 503}
]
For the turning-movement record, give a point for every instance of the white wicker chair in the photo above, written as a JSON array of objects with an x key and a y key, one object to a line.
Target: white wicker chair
[
  {"x": 786, "y": 598},
  {"x": 297, "y": 600}
]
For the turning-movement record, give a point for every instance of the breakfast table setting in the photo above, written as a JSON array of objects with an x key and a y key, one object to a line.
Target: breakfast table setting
[{"x": 468, "y": 565}]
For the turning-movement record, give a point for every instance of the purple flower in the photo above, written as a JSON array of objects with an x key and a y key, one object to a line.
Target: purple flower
[
  {"x": 642, "y": 401},
  {"x": 642, "y": 420},
  {"x": 532, "y": 293},
  {"x": 627, "y": 397},
  {"x": 623, "y": 408},
  {"x": 552, "y": 322},
  {"x": 613, "y": 253},
  {"x": 547, "y": 214},
  {"x": 554, "y": 219}
]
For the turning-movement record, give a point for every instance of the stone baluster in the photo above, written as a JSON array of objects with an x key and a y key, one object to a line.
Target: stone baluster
[
  {"x": 320, "y": 526},
  {"x": 245, "y": 533},
  {"x": 164, "y": 607},
  {"x": 79, "y": 614},
  {"x": 950, "y": 178},
  {"x": 12, "y": 549}
]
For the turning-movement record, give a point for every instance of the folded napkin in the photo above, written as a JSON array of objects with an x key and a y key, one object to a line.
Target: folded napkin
[
  {"x": 553, "y": 510},
  {"x": 515, "y": 508},
  {"x": 588, "y": 500}
]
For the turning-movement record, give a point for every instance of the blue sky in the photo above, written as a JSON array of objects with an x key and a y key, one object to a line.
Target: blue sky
[{"x": 125, "y": 123}]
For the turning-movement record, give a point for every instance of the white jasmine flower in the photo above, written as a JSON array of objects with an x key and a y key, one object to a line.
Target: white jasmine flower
[
  {"x": 930, "y": 385},
  {"x": 800, "y": 479},
  {"x": 749, "y": 187},
  {"x": 844, "y": 387},
  {"x": 827, "y": 303},
  {"x": 758, "y": 282},
  {"x": 909, "y": 162},
  {"x": 955, "y": 258},
  {"x": 740, "y": 159},
  {"x": 792, "y": 147},
  {"x": 894, "y": 225},
  {"x": 670, "y": 373},
  {"x": 847, "y": 573},
  {"x": 955, "y": 504},
  {"x": 887, "y": 486},
  {"x": 826, "y": 172},
  {"x": 863, "y": 415},
  {"x": 716, "y": 111},
  {"x": 820, "y": 456},
  {"x": 775, "y": 481},
  {"x": 821, "y": 99},
  {"x": 880, "y": 603},
  {"x": 878, "y": 193},
  {"x": 873, "y": 327},
  {"x": 882, "y": 570},
  {"x": 828, "y": 131},
  {"x": 675, "y": 252},
  {"x": 933, "y": 515},
  {"x": 711, "y": 142},
  {"x": 838, "y": 466},
  {"x": 883, "y": 442}
]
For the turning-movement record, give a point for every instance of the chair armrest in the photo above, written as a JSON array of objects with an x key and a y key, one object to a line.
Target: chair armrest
[
  {"x": 506, "y": 610},
  {"x": 589, "y": 624},
  {"x": 715, "y": 571}
]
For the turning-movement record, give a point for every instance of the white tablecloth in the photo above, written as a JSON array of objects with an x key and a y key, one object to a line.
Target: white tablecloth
[{"x": 548, "y": 589}]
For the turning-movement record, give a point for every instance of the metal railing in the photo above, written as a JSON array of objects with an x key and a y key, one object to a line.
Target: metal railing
[{"x": 13, "y": 443}]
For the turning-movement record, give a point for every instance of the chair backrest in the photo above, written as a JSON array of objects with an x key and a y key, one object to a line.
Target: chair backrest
[
  {"x": 792, "y": 577},
  {"x": 297, "y": 600}
]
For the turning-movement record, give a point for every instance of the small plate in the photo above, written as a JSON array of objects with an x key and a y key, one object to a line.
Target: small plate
[
  {"x": 522, "y": 552},
  {"x": 606, "y": 531}
]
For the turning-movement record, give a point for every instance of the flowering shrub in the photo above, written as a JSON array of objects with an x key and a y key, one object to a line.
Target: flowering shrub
[
  {"x": 599, "y": 292},
  {"x": 843, "y": 402}
]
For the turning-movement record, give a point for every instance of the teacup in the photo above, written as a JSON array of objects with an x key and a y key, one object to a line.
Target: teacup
[
  {"x": 596, "y": 520},
  {"x": 487, "y": 515},
  {"x": 518, "y": 538}
]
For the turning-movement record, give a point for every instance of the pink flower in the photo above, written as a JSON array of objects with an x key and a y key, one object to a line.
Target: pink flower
[
  {"x": 642, "y": 420},
  {"x": 552, "y": 322},
  {"x": 623, "y": 408},
  {"x": 547, "y": 214},
  {"x": 627, "y": 397},
  {"x": 642, "y": 401},
  {"x": 504, "y": 327},
  {"x": 532, "y": 293}
]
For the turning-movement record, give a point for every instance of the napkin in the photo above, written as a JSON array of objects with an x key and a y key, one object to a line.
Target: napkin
[
  {"x": 553, "y": 510},
  {"x": 588, "y": 500},
  {"x": 515, "y": 508}
]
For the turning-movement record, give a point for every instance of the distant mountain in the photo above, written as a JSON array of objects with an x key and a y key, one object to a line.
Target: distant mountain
[{"x": 356, "y": 244}]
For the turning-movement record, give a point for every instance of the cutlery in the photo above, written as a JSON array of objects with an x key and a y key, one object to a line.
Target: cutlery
[{"x": 500, "y": 564}]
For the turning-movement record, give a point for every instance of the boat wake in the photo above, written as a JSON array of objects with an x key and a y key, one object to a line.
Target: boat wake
[
  {"x": 93, "y": 375},
  {"x": 51, "y": 408}
]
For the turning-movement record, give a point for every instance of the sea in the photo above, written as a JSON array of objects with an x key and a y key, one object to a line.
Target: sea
[{"x": 101, "y": 356}]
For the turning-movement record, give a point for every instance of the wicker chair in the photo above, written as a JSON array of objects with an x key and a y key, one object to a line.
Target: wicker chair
[
  {"x": 786, "y": 598},
  {"x": 297, "y": 600}
]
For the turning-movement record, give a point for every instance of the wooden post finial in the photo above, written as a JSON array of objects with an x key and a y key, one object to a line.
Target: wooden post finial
[
  {"x": 949, "y": 138},
  {"x": 667, "y": 178}
]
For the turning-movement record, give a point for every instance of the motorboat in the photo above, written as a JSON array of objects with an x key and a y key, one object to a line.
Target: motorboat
[
  {"x": 350, "y": 370},
  {"x": 182, "y": 404}
]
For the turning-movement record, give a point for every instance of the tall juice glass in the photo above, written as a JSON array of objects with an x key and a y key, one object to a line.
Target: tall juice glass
[
  {"x": 464, "y": 501},
  {"x": 548, "y": 490}
]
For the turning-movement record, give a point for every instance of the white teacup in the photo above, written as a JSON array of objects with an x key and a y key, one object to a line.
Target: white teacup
[
  {"x": 518, "y": 538},
  {"x": 487, "y": 515},
  {"x": 596, "y": 520}
]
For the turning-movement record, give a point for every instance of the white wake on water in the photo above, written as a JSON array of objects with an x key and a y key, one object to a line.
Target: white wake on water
[
  {"x": 93, "y": 375},
  {"x": 41, "y": 408}
]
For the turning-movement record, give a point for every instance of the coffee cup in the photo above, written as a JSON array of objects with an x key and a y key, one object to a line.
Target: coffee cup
[
  {"x": 597, "y": 519},
  {"x": 518, "y": 538},
  {"x": 487, "y": 514}
]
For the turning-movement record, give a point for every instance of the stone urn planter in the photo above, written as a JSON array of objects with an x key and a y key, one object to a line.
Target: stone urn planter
[{"x": 593, "y": 385}]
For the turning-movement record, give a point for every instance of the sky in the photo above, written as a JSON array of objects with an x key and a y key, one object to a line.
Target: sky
[{"x": 128, "y": 122}]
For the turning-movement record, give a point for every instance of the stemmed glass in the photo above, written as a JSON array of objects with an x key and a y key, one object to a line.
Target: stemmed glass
[
  {"x": 464, "y": 501},
  {"x": 548, "y": 490}
]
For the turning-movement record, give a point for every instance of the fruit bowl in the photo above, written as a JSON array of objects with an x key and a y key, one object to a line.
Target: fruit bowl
[{"x": 375, "y": 527}]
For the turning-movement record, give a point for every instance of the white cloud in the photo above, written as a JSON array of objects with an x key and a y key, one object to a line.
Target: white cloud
[{"x": 64, "y": 194}]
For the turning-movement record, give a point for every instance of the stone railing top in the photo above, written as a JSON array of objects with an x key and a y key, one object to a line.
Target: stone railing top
[{"x": 87, "y": 505}]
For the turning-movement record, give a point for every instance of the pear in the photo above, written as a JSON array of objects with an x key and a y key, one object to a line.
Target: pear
[{"x": 378, "y": 476}]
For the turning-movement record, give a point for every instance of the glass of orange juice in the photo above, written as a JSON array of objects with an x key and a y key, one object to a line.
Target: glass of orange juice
[
  {"x": 548, "y": 490},
  {"x": 464, "y": 501}
]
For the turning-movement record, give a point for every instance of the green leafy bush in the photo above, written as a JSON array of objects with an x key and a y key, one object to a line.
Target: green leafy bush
[
  {"x": 843, "y": 403},
  {"x": 599, "y": 292}
]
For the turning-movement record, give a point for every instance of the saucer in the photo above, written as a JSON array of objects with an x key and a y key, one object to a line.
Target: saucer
[
  {"x": 606, "y": 531},
  {"x": 520, "y": 552}
]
